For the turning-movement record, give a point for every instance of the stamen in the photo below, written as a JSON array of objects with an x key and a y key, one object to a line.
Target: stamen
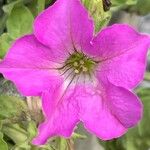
[
  {"x": 84, "y": 69},
  {"x": 78, "y": 65},
  {"x": 75, "y": 64},
  {"x": 76, "y": 71},
  {"x": 81, "y": 62}
]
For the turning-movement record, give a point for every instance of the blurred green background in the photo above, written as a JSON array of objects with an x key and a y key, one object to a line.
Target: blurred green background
[{"x": 18, "y": 122}]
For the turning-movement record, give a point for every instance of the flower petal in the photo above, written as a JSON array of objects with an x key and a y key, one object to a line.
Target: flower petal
[
  {"x": 124, "y": 105},
  {"x": 109, "y": 111},
  {"x": 96, "y": 115},
  {"x": 63, "y": 26},
  {"x": 116, "y": 40},
  {"x": 61, "y": 115},
  {"x": 29, "y": 65},
  {"x": 106, "y": 112},
  {"x": 123, "y": 54}
]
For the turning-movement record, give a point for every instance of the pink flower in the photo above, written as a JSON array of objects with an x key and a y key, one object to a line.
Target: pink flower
[{"x": 80, "y": 77}]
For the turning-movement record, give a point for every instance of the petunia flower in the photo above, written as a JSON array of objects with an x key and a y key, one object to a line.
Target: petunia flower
[{"x": 80, "y": 77}]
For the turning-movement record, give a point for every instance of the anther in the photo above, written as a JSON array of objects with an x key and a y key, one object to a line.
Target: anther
[
  {"x": 84, "y": 69},
  {"x": 75, "y": 64},
  {"x": 81, "y": 62},
  {"x": 76, "y": 71}
]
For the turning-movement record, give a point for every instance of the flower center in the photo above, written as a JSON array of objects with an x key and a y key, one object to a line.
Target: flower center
[
  {"x": 78, "y": 68},
  {"x": 79, "y": 63}
]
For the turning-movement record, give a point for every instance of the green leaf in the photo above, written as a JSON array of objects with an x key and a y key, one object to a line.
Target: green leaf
[
  {"x": 0, "y": 125},
  {"x": 40, "y": 5},
  {"x": 15, "y": 132},
  {"x": 5, "y": 42},
  {"x": 33, "y": 7},
  {"x": 8, "y": 8},
  {"x": 96, "y": 10},
  {"x": 3, "y": 144},
  {"x": 19, "y": 22},
  {"x": 11, "y": 107}
]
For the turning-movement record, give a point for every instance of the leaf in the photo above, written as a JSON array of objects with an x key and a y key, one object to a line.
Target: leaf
[
  {"x": 15, "y": 132},
  {"x": 36, "y": 6},
  {"x": 8, "y": 8},
  {"x": 3, "y": 144},
  {"x": 19, "y": 22},
  {"x": 11, "y": 107},
  {"x": 96, "y": 10},
  {"x": 5, "y": 42},
  {"x": 33, "y": 7},
  {"x": 0, "y": 125},
  {"x": 40, "y": 5}
]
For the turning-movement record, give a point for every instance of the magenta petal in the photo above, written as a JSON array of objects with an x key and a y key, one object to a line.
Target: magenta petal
[
  {"x": 61, "y": 115},
  {"x": 63, "y": 26},
  {"x": 124, "y": 105},
  {"x": 29, "y": 65},
  {"x": 96, "y": 115},
  {"x": 107, "y": 111},
  {"x": 123, "y": 55},
  {"x": 116, "y": 40}
]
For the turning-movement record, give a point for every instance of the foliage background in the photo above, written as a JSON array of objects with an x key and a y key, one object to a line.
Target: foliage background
[{"x": 19, "y": 116}]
